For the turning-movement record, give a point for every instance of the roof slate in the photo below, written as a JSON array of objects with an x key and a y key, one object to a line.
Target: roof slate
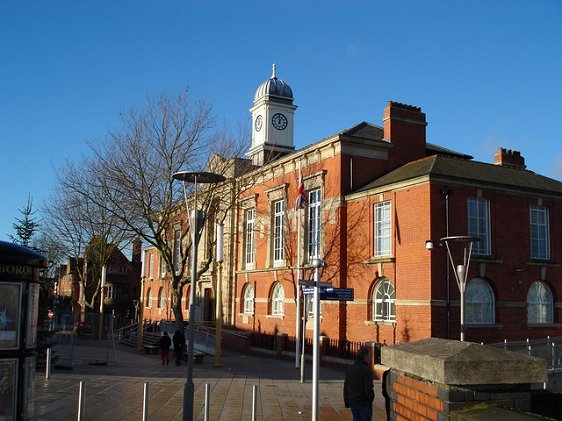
[{"x": 437, "y": 166}]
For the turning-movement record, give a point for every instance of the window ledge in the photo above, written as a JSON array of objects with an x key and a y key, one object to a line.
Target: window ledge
[
  {"x": 540, "y": 325},
  {"x": 481, "y": 258},
  {"x": 546, "y": 262},
  {"x": 380, "y": 322},
  {"x": 275, "y": 316},
  {"x": 484, "y": 326},
  {"x": 382, "y": 259}
]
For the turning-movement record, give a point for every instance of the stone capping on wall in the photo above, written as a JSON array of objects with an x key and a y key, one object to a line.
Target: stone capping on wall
[{"x": 463, "y": 363}]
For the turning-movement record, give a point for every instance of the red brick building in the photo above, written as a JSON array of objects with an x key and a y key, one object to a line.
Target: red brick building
[
  {"x": 374, "y": 196},
  {"x": 121, "y": 291}
]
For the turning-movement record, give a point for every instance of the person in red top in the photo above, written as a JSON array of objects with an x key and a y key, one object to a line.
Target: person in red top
[
  {"x": 358, "y": 392},
  {"x": 164, "y": 344}
]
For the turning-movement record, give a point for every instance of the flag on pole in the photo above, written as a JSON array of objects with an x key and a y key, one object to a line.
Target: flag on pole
[{"x": 300, "y": 202}]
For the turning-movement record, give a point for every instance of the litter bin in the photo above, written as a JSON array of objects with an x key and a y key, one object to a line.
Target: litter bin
[{"x": 19, "y": 301}]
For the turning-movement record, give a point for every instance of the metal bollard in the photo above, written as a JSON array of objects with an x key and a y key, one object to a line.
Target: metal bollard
[
  {"x": 81, "y": 400},
  {"x": 505, "y": 344},
  {"x": 48, "y": 365},
  {"x": 145, "y": 403},
  {"x": 254, "y": 401},
  {"x": 207, "y": 400}
]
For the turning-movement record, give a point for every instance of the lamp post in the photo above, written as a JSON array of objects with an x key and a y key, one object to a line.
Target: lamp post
[
  {"x": 460, "y": 270},
  {"x": 197, "y": 219},
  {"x": 317, "y": 264},
  {"x": 219, "y": 257},
  {"x": 102, "y": 286}
]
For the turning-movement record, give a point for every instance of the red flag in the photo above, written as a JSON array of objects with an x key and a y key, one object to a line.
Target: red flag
[{"x": 300, "y": 202}]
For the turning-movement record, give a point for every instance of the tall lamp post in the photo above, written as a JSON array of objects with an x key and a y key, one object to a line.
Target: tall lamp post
[
  {"x": 219, "y": 257},
  {"x": 197, "y": 219},
  {"x": 461, "y": 269},
  {"x": 102, "y": 297},
  {"x": 316, "y": 264}
]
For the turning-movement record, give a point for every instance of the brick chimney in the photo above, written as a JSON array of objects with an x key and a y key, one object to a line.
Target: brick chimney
[
  {"x": 404, "y": 127},
  {"x": 137, "y": 250},
  {"x": 509, "y": 159}
]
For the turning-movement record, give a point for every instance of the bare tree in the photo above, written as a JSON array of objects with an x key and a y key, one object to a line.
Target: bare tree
[
  {"x": 83, "y": 232},
  {"x": 130, "y": 174}
]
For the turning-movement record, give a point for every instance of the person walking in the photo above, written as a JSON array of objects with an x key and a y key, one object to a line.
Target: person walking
[
  {"x": 179, "y": 344},
  {"x": 358, "y": 392},
  {"x": 165, "y": 343}
]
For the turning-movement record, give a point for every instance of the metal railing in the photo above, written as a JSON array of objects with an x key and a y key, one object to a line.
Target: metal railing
[{"x": 547, "y": 348}]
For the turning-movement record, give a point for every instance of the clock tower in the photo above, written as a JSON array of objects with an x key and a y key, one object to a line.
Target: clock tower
[{"x": 272, "y": 121}]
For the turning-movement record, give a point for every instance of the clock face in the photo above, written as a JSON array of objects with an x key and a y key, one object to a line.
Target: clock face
[
  {"x": 258, "y": 123},
  {"x": 279, "y": 121}
]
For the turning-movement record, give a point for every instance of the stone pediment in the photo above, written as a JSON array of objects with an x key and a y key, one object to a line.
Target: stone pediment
[{"x": 463, "y": 363}]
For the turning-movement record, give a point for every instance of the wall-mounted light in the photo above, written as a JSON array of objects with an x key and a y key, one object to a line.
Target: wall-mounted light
[{"x": 429, "y": 244}]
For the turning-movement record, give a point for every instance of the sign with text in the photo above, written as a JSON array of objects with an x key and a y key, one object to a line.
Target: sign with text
[
  {"x": 337, "y": 294},
  {"x": 333, "y": 294}
]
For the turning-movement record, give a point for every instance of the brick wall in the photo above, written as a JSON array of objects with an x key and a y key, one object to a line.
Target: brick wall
[{"x": 418, "y": 399}]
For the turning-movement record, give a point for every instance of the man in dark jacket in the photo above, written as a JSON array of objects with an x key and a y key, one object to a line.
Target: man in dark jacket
[
  {"x": 179, "y": 344},
  {"x": 358, "y": 393}
]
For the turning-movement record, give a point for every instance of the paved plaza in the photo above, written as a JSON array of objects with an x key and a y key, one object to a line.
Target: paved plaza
[{"x": 115, "y": 376}]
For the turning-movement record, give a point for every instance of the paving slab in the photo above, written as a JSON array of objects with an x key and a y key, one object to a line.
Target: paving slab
[{"x": 115, "y": 375}]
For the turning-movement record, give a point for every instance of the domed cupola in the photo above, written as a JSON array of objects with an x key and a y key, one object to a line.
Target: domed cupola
[
  {"x": 274, "y": 87},
  {"x": 272, "y": 121}
]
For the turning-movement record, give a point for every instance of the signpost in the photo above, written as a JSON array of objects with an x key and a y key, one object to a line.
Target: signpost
[{"x": 332, "y": 294}]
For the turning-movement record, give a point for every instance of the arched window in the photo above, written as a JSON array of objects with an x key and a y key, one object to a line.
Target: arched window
[
  {"x": 383, "y": 301},
  {"x": 277, "y": 300},
  {"x": 539, "y": 303},
  {"x": 148, "y": 301},
  {"x": 249, "y": 299},
  {"x": 480, "y": 304},
  {"x": 161, "y": 297},
  {"x": 187, "y": 299}
]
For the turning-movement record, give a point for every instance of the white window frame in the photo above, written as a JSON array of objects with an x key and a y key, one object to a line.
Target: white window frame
[
  {"x": 309, "y": 306},
  {"x": 148, "y": 303},
  {"x": 248, "y": 299},
  {"x": 162, "y": 266},
  {"x": 540, "y": 304},
  {"x": 480, "y": 303},
  {"x": 249, "y": 235},
  {"x": 478, "y": 211},
  {"x": 539, "y": 232},
  {"x": 161, "y": 299},
  {"x": 278, "y": 233},
  {"x": 278, "y": 300},
  {"x": 383, "y": 301},
  {"x": 313, "y": 231},
  {"x": 177, "y": 250},
  {"x": 383, "y": 228}
]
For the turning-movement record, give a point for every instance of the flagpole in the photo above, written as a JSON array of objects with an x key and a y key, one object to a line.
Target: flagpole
[{"x": 299, "y": 277}]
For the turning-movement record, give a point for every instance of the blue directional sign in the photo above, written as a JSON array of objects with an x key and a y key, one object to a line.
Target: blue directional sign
[
  {"x": 330, "y": 293},
  {"x": 337, "y": 294}
]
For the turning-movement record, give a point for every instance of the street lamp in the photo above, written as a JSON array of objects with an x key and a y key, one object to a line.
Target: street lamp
[
  {"x": 219, "y": 257},
  {"x": 460, "y": 270},
  {"x": 316, "y": 264},
  {"x": 102, "y": 291},
  {"x": 197, "y": 219}
]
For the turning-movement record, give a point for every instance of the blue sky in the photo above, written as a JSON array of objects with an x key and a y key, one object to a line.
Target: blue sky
[{"x": 487, "y": 73}]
